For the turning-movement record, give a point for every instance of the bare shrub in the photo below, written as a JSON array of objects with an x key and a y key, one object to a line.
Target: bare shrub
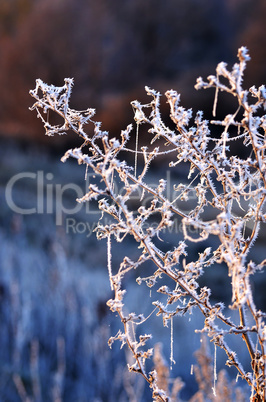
[{"x": 223, "y": 198}]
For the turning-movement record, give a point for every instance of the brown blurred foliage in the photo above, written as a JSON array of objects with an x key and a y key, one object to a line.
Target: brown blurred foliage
[{"x": 114, "y": 48}]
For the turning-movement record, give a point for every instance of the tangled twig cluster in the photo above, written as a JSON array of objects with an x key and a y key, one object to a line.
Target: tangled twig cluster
[{"x": 231, "y": 186}]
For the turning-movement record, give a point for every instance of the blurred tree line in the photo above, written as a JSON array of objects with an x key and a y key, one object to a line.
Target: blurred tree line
[{"x": 114, "y": 48}]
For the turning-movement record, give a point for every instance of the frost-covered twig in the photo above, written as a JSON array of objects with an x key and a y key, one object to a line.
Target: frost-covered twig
[{"x": 222, "y": 180}]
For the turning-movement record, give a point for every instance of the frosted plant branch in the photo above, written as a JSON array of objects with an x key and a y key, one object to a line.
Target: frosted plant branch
[{"x": 230, "y": 196}]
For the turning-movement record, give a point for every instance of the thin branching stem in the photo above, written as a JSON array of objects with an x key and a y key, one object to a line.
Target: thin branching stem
[{"x": 221, "y": 181}]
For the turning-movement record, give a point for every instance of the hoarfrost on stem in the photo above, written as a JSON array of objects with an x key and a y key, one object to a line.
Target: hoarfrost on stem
[{"x": 221, "y": 179}]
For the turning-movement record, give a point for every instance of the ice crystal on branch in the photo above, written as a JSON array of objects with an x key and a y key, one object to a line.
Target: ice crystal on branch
[{"x": 224, "y": 183}]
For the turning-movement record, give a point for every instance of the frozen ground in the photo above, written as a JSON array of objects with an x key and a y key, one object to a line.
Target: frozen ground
[{"x": 54, "y": 287}]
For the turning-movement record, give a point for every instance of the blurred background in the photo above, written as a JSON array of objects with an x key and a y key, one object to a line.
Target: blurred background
[
  {"x": 54, "y": 324},
  {"x": 113, "y": 49}
]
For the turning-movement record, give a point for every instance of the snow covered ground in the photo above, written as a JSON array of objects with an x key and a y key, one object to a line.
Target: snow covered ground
[{"x": 54, "y": 322}]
